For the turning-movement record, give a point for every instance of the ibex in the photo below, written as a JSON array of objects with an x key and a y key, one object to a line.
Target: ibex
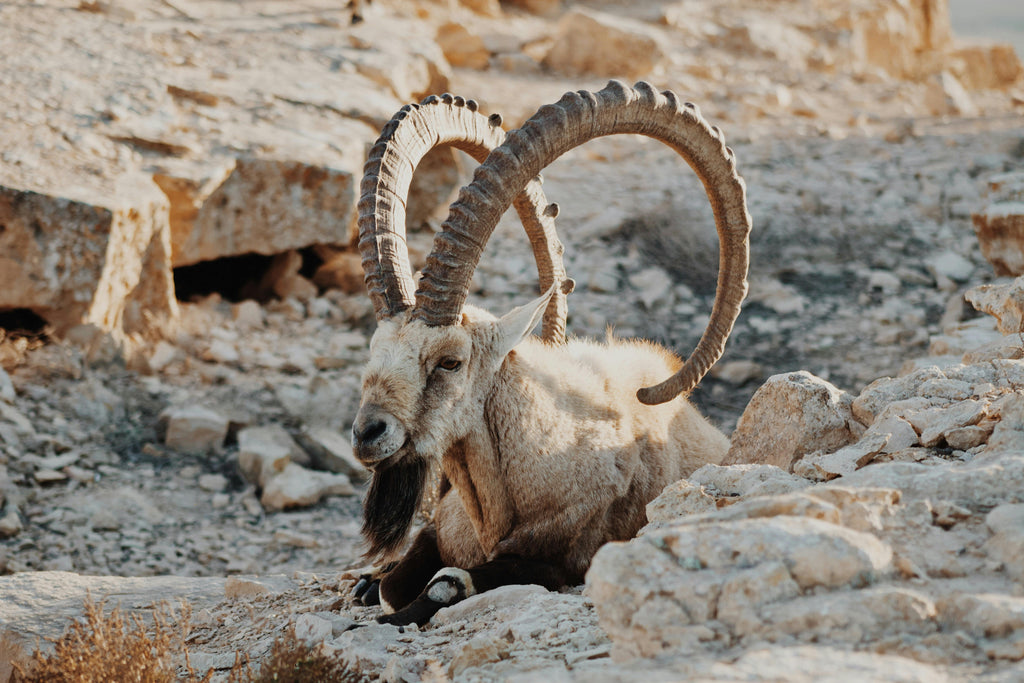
[{"x": 547, "y": 450}]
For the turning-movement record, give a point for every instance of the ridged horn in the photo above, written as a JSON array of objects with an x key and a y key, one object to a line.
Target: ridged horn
[
  {"x": 577, "y": 118},
  {"x": 404, "y": 141}
]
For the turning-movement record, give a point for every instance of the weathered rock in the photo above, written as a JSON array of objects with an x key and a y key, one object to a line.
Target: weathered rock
[
  {"x": 983, "y": 615},
  {"x": 1000, "y": 230},
  {"x": 587, "y": 42},
  {"x": 1007, "y": 543},
  {"x": 102, "y": 261},
  {"x": 1004, "y": 302},
  {"x": 692, "y": 563},
  {"x": 282, "y": 278},
  {"x": 677, "y": 500},
  {"x": 789, "y": 416},
  {"x": 462, "y": 47},
  {"x": 886, "y": 391},
  {"x": 194, "y": 429},
  {"x": 295, "y": 486},
  {"x": 331, "y": 451},
  {"x": 542, "y": 7},
  {"x": 7, "y": 392},
  {"x": 265, "y": 451},
  {"x": 946, "y": 96},
  {"x": 861, "y": 616},
  {"x": 985, "y": 66},
  {"x": 269, "y": 206},
  {"x": 747, "y": 480}
]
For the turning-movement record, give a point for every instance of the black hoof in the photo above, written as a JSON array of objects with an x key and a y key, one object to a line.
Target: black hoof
[{"x": 366, "y": 592}]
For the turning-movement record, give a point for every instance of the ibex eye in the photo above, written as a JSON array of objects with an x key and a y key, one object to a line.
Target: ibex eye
[{"x": 450, "y": 364}]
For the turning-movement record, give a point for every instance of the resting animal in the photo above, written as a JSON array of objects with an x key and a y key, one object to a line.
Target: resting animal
[{"x": 545, "y": 450}]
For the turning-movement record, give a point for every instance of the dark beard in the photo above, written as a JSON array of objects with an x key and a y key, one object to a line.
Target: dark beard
[{"x": 391, "y": 503}]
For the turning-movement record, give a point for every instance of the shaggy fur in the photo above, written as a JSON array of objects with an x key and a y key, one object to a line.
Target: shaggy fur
[{"x": 547, "y": 449}]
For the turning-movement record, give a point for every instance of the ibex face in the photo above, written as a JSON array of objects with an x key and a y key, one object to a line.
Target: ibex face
[{"x": 424, "y": 387}]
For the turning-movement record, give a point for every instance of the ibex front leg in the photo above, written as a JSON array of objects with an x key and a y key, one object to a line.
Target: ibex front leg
[
  {"x": 451, "y": 584},
  {"x": 399, "y": 585}
]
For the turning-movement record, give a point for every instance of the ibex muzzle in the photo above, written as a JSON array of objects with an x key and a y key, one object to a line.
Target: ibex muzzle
[{"x": 376, "y": 435}]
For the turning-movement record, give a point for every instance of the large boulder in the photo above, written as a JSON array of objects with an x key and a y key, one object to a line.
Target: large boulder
[
  {"x": 789, "y": 416},
  {"x": 100, "y": 261},
  {"x": 587, "y": 42}
]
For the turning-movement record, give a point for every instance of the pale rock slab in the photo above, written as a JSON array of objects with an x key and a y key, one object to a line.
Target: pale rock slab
[
  {"x": 331, "y": 451},
  {"x": 1007, "y": 543},
  {"x": 884, "y": 391},
  {"x": 265, "y": 451},
  {"x": 194, "y": 429},
  {"x": 101, "y": 261},
  {"x": 1004, "y": 302},
  {"x": 748, "y": 480},
  {"x": 587, "y": 42},
  {"x": 789, "y": 416},
  {"x": 268, "y": 206},
  {"x": 678, "y": 500},
  {"x": 858, "y": 616},
  {"x": 7, "y": 392},
  {"x": 295, "y": 486},
  {"x": 462, "y": 47},
  {"x": 984, "y": 615},
  {"x": 692, "y": 563},
  {"x": 1000, "y": 231}
]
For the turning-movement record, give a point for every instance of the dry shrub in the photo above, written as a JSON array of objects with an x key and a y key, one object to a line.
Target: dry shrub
[
  {"x": 109, "y": 648},
  {"x": 101, "y": 648},
  {"x": 293, "y": 661}
]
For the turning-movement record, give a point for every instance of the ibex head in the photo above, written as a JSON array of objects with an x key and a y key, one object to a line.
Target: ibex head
[{"x": 433, "y": 360}]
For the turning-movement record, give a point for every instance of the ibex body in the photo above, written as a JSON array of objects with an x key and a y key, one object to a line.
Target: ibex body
[{"x": 545, "y": 449}]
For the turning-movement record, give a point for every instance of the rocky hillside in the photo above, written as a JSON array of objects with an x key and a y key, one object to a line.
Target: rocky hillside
[{"x": 183, "y": 327}]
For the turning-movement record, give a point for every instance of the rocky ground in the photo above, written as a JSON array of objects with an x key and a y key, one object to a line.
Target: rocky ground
[{"x": 212, "y": 444}]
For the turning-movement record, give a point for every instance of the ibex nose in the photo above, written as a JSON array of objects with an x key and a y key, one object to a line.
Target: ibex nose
[
  {"x": 369, "y": 432},
  {"x": 376, "y": 434}
]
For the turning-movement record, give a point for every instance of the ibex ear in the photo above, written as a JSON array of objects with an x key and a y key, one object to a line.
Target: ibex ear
[{"x": 516, "y": 324}]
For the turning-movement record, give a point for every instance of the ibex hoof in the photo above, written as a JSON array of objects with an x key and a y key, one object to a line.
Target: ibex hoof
[{"x": 366, "y": 591}]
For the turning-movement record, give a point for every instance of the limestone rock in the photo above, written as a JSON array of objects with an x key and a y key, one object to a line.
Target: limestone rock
[
  {"x": 691, "y": 564},
  {"x": 1004, "y": 302},
  {"x": 295, "y": 486},
  {"x": 747, "y": 480},
  {"x": 331, "y": 451},
  {"x": 265, "y": 451},
  {"x": 677, "y": 500},
  {"x": 1007, "y": 543},
  {"x": 282, "y": 278},
  {"x": 542, "y": 7},
  {"x": 462, "y": 47},
  {"x": 984, "y": 66},
  {"x": 194, "y": 429},
  {"x": 587, "y": 42},
  {"x": 1000, "y": 230},
  {"x": 7, "y": 392},
  {"x": 100, "y": 262},
  {"x": 984, "y": 615},
  {"x": 789, "y": 416},
  {"x": 267, "y": 206},
  {"x": 946, "y": 96},
  {"x": 885, "y": 391}
]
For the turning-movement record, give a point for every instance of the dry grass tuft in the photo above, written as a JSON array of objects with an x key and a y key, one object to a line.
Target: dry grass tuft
[
  {"x": 293, "y": 661},
  {"x": 100, "y": 648},
  {"x": 106, "y": 648}
]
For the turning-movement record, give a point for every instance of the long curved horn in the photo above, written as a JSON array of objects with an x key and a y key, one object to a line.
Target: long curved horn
[
  {"x": 407, "y": 137},
  {"x": 577, "y": 118}
]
